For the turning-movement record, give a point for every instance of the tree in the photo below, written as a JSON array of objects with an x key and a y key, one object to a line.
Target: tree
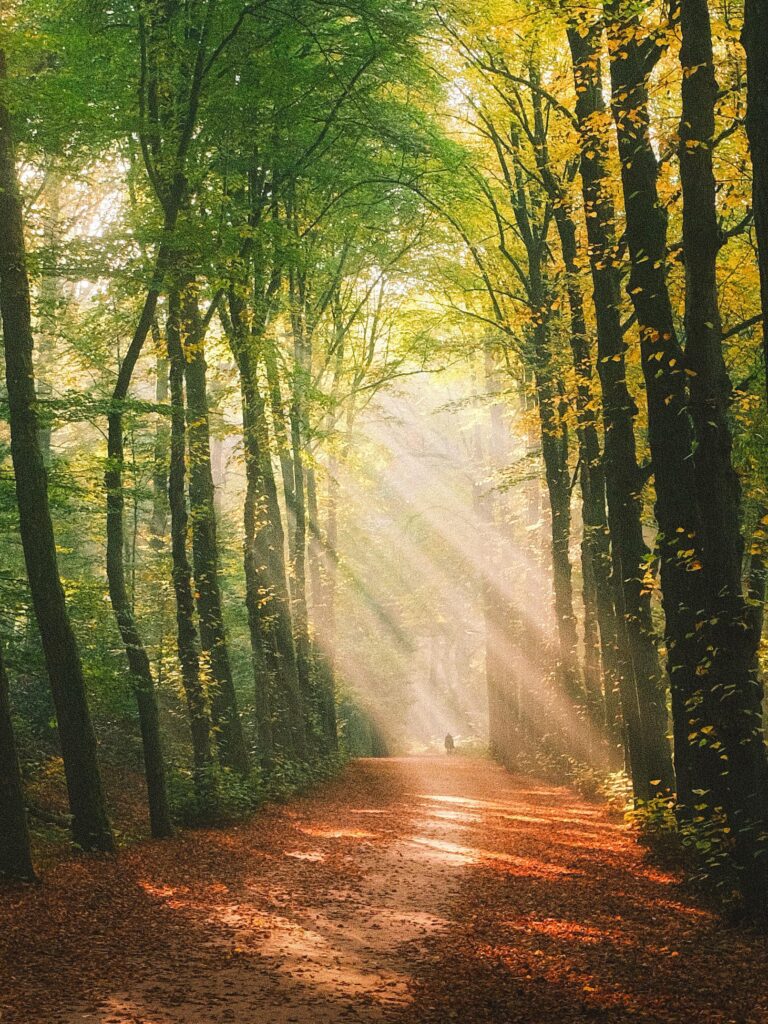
[
  {"x": 205, "y": 553},
  {"x": 90, "y": 826},
  {"x": 728, "y": 672},
  {"x": 15, "y": 856},
  {"x": 753, "y": 39},
  {"x": 638, "y": 666},
  {"x": 186, "y": 629}
]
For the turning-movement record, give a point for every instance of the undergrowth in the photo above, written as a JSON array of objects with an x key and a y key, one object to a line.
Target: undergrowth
[
  {"x": 699, "y": 847},
  {"x": 221, "y": 795},
  {"x": 217, "y": 797},
  {"x": 592, "y": 783}
]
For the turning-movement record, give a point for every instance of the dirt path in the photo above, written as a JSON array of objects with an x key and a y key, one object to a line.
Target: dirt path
[{"x": 409, "y": 891}]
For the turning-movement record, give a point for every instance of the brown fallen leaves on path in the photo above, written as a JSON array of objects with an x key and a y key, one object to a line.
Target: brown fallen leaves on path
[{"x": 409, "y": 891}]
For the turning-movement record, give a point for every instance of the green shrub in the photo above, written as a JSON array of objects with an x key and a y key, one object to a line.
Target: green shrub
[
  {"x": 221, "y": 795},
  {"x": 590, "y": 782},
  {"x": 699, "y": 846},
  {"x": 214, "y": 796}
]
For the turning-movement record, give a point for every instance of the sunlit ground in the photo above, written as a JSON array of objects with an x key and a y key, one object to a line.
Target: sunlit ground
[{"x": 411, "y": 890}]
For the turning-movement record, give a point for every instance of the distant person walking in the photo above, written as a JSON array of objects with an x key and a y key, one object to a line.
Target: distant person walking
[{"x": 450, "y": 746}]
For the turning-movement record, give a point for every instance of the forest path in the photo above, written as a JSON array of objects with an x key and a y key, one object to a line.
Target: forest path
[{"x": 409, "y": 891}]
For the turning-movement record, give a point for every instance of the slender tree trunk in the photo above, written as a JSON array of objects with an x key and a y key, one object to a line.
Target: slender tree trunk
[
  {"x": 298, "y": 430},
  {"x": 757, "y": 576},
  {"x": 267, "y": 553},
  {"x": 271, "y": 729},
  {"x": 233, "y": 750},
  {"x": 264, "y": 658},
  {"x": 139, "y": 666},
  {"x": 499, "y": 615},
  {"x": 554, "y": 448},
  {"x": 753, "y": 39},
  {"x": 15, "y": 856},
  {"x": 283, "y": 442},
  {"x": 554, "y": 431},
  {"x": 599, "y": 612},
  {"x": 300, "y": 612},
  {"x": 90, "y": 827},
  {"x": 330, "y": 638},
  {"x": 142, "y": 680},
  {"x": 595, "y": 661},
  {"x": 317, "y": 566},
  {"x": 728, "y": 672},
  {"x": 50, "y": 301},
  {"x": 332, "y": 549},
  {"x": 642, "y": 688},
  {"x": 186, "y": 631},
  {"x": 599, "y": 609},
  {"x": 314, "y": 545},
  {"x": 159, "y": 519}
]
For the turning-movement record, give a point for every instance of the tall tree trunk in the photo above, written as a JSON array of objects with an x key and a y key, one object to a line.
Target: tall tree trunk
[
  {"x": 90, "y": 827},
  {"x": 332, "y": 549},
  {"x": 15, "y": 856},
  {"x": 300, "y": 611},
  {"x": 728, "y": 672},
  {"x": 50, "y": 298},
  {"x": 599, "y": 609},
  {"x": 139, "y": 666},
  {"x": 280, "y": 417},
  {"x": 298, "y": 430},
  {"x": 233, "y": 750},
  {"x": 554, "y": 449},
  {"x": 499, "y": 617},
  {"x": 314, "y": 545},
  {"x": 271, "y": 729},
  {"x": 753, "y": 39},
  {"x": 670, "y": 430},
  {"x": 159, "y": 519},
  {"x": 266, "y": 554},
  {"x": 186, "y": 631},
  {"x": 317, "y": 561},
  {"x": 553, "y": 428},
  {"x": 642, "y": 688}
]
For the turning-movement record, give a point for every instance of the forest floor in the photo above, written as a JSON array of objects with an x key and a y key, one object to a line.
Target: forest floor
[{"x": 409, "y": 891}]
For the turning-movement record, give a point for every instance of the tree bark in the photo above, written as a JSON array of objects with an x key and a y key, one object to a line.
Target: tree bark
[
  {"x": 90, "y": 827},
  {"x": 142, "y": 680},
  {"x": 669, "y": 427},
  {"x": 233, "y": 750},
  {"x": 265, "y": 547},
  {"x": 599, "y": 610},
  {"x": 271, "y": 731},
  {"x": 159, "y": 519},
  {"x": 753, "y": 39},
  {"x": 50, "y": 300},
  {"x": 298, "y": 425},
  {"x": 553, "y": 428},
  {"x": 15, "y": 855},
  {"x": 734, "y": 689},
  {"x": 641, "y": 684},
  {"x": 186, "y": 631},
  {"x": 317, "y": 561},
  {"x": 282, "y": 440}
]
